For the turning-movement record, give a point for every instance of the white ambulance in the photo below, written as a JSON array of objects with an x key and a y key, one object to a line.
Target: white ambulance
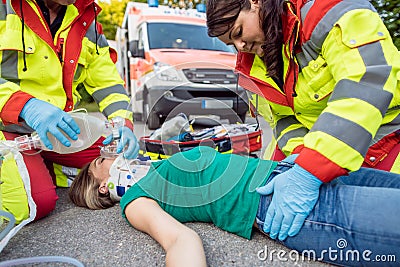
[{"x": 170, "y": 65}]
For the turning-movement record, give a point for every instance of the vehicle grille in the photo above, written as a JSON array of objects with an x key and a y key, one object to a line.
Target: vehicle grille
[
  {"x": 209, "y": 76},
  {"x": 221, "y": 94}
]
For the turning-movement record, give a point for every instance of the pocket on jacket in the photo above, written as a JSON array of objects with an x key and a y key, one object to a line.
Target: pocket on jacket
[
  {"x": 368, "y": 30},
  {"x": 321, "y": 82},
  {"x": 12, "y": 40}
]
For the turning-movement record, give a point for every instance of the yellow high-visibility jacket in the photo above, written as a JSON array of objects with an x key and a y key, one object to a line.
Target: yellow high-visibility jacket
[
  {"x": 33, "y": 64},
  {"x": 341, "y": 92}
]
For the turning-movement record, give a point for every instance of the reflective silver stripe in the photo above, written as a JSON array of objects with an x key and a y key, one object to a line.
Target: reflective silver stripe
[
  {"x": 3, "y": 11},
  {"x": 372, "y": 54},
  {"x": 283, "y": 123},
  {"x": 99, "y": 95},
  {"x": 301, "y": 60},
  {"x": 102, "y": 41},
  {"x": 376, "y": 75},
  {"x": 387, "y": 128},
  {"x": 347, "y": 131},
  {"x": 300, "y": 132},
  {"x": 395, "y": 121},
  {"x": 312, "y": 48},
  {"x": 304, "y": 10},
  {"x": 345, "y": 89},
  {"x": 10, "y": 10},
  {"x": 110, "y": 109},
  {"x": 383, "y": 131},
  {"x": 21, "y": 128},
  {"x": 78, "y": 72},
  {"x": 91, "y": 35},
  {"x": 9, "y": 66},
  {"x": 377, "y": 70}
]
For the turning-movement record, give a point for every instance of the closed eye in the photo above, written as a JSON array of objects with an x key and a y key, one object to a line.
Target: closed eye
[
  {"x": 239, "y": 33},
  {"x": 98, "y": 161}
]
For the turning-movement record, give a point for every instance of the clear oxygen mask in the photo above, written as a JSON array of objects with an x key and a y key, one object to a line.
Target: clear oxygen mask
[{"x": 110, "y": 150}]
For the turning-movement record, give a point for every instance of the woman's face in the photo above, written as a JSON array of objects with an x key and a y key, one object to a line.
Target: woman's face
[
  {"x": 100, "y": 168},
  {"x": 246, "y": 33}
]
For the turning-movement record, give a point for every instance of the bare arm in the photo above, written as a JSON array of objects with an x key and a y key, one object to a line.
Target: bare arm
[{"x": 182, "y": 245}]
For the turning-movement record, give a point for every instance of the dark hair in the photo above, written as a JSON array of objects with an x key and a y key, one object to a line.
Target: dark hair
[
  {"x": 222, "y": 14},
  {"x": 84, "y": 191}
]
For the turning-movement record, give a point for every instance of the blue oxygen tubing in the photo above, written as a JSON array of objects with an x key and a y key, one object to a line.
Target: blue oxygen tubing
[
  {"x": 30, "y": 260},
  {"x": 41, "y": 259},
  {"x": 9, "y": 149},
  {"x": 10, "y": 224},
  {"x": 91, "y": 129}
]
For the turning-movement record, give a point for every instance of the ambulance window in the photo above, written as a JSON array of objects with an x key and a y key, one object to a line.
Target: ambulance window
[{"x": 183, "y": 36}]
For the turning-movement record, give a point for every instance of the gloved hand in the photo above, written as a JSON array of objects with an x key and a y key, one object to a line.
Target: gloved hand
[
  {"x": 295, "y": 193},
  {"x": 45, "y": 118},
  {"x": 127, "y": 139},
  {"x": 291, "y": 158}
]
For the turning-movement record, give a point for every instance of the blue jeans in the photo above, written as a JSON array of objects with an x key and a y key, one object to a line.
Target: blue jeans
[{"x": 356, "y": 221}]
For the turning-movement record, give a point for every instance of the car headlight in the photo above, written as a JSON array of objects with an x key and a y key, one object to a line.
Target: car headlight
[{"x": 166, "y": 72}]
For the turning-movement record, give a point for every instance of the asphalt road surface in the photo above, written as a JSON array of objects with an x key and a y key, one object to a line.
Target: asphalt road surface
[{"x": 104, "y": 238}]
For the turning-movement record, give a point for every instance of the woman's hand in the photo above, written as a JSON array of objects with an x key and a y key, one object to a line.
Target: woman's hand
[
  {"x": 127, "y": 144},
  {"x": 46, "y": 118},
  {"x": 295, "y": 193}
]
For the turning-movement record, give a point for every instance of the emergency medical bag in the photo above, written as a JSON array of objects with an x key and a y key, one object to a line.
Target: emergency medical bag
[{"x": 243, "y": 139}]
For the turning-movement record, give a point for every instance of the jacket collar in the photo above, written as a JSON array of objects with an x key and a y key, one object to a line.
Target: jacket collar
[
  {"x": 81, "y": 5},
  {"x": 32, "y": 21},
  {"x": 291, "y": 22}
]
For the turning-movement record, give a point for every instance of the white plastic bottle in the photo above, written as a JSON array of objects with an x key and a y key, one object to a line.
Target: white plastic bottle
[
  {"x": 172, "y": 127},
  {"x": 91, "y": 129}
]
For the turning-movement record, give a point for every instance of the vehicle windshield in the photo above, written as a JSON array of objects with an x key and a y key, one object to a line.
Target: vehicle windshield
[{"x": 184, "y": 36}]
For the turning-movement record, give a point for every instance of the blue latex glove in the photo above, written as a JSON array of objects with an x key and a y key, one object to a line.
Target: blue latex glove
[
  {"x": 128, "y": 140},
  {"x": 45, "y": 118},
  {"x": 291, "y": 158},
  {"x": 295, "y": 193}
]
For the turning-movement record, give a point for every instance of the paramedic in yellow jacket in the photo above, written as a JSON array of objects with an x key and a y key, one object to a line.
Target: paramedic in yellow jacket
[
  {"x": 48, "y": 48},
  {"x": 326, "y": 75}
]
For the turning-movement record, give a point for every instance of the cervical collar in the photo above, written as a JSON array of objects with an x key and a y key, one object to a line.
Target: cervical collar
[{"x": 123, "y": 174}]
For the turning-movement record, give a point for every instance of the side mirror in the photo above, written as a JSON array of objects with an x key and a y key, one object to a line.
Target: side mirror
[{"x": 134, "y": 49}]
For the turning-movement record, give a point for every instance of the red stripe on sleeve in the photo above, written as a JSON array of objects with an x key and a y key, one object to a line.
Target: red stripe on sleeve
[
  {"x": 129, "y": 124},
  {"x": 320, "y": 166},
  {"x": 298, "y": 149},
  {"x": 13, "y": 107},
  {"x": 316, "y": 13}
]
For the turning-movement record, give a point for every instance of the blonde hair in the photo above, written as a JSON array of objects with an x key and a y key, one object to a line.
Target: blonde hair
[{"x": 84, "y": 191}]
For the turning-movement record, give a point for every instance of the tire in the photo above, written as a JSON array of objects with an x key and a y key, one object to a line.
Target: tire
[
  {"x": 153, "y": 122},
  {"x": 149, "y": 116}
]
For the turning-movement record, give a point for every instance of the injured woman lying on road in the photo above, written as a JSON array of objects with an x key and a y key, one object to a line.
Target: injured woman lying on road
[{"x": 202, "y": 185}]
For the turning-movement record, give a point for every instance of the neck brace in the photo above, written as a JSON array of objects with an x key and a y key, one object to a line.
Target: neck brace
[{"x": 123, "y": 174}]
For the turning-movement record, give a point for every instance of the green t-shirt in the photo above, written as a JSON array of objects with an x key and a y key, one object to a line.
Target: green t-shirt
[{"x": 202, "y": 185}]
